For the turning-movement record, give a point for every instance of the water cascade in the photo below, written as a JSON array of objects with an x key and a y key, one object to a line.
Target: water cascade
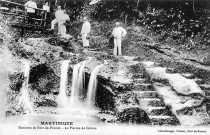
[
  {"x": 62, "y": 98},
  {"x": 24, "y": 100},
  {"x": 92, "y": 86},
  {"x": 81, "y": 79},
  {"x": 75, "y": 83}
]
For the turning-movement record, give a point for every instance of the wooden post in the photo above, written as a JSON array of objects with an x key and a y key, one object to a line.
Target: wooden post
[
  {"x": 45, "y": 18},
  {"x": 194, "y": 6}
]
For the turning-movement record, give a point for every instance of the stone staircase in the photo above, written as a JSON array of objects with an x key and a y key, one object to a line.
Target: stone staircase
[
  {"x": 200, "y": 82},
  {"x": 142, "y": 95},
  {"x": 150, "y": 101}
]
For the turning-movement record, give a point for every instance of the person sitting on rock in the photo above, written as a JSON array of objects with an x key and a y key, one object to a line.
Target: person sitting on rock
[
  {"x": 85, "y": 32},
  {"x": 118, "y": 33},
  {"x": 65, "y": 18},
  {"x": 58, "y": 17}
]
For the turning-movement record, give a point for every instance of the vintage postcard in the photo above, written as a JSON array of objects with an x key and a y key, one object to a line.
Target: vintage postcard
[{"x": 98, "y": 67}]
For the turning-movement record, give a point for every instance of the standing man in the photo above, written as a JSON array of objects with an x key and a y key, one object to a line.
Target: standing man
[
  {"x": 118, "y": 33},
  {"x": 29, "y": 6},
  {"x": 85, "y": 32},
  {"x": 46, "y": 13},
  {"x": 58, "y": 17}
]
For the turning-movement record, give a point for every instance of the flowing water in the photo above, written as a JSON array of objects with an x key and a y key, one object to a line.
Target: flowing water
[
  {"x": 62, "y": 98},
  {"x": 92, "y": 86},
  {"x": 75, "y": 108},
  {"x": 75, "y": 86},
  {"x": 24, "y": 100},
  {"x": 81, "y": 79}
]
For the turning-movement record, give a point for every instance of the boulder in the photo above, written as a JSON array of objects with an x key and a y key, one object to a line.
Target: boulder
[
  {"x": 189, "y": 111},
  {"x": 183, "y": 85},
  {"x": 133, "y": 115},
  {"x": 184, "y": 96}
]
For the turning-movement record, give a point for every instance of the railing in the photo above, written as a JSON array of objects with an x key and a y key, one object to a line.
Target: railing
[{"x": 43, "y": 20}]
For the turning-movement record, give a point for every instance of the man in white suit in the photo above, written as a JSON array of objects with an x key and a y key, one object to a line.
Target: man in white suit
[
  {"x": 85, "y": 32},
  {"x": 118, "y": 33}
]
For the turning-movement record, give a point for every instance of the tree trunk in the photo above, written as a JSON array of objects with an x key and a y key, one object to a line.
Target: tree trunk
[
  {"x": 126, "y": 16},
  {"x": 137, "y": 4},
  {"x": 194, "y": 6}
]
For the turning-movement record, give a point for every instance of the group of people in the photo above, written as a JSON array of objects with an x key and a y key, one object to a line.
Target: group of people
[
  {"x": 31, "y": 7},
  {"x": 61, "y": 17}
]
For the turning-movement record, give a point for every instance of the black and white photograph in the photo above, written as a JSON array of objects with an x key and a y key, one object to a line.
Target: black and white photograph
[{"x": 104, "y": 67}]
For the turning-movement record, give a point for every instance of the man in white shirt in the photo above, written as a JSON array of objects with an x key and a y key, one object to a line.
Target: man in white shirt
[
  {"x": 29, "y": 6},
  {"x": 58, "y": 17},
  {"x": 46, "y": 7},
  {"x": 65, "y": 18},
  {"x": 46, "y": 14},
  {"x": 118, "y": 33},
  {"x": 85, "y": 31}
]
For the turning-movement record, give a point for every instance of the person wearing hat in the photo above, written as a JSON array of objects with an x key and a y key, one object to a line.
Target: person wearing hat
[
  {"x": 118, "y": 33},
  {"x": 85, "y": 32}
]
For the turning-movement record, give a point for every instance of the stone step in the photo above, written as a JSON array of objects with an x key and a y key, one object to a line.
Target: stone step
[
  {"x": 204, "y": 86},
  {"x": 140, "y": 80},
  {"x": 188, "y": 75},
  {"x": 198, "y": 81},
  {"x": 171, "y": 70},
  {"x": 158, "y": 111},
  {"x": 143, "y": 87},
  {"x": 122, "y": 107},
  {"x": 163, "y": 120},
  {"x": 207, "y": 92},
  {"x": 138, "y": 76},
  {"x": 129, "y": 58},
  {"x": 151, "y": 102},
  {"x": 146, "y": 94},
  {"x": 148, "y": 64},
  {"x": 131, "y": 63}
]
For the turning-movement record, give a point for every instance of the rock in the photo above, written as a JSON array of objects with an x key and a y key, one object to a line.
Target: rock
[
  {"x": 185, "y": 108},
  {"x": 179, "y": 83},
  {"x": 16, "y": 80},
  {"x": 206, "y": 59},
  {"x": 183, "y": 95},
  {"x": 157, "y": 72},
  {"x": 66, "y": 37},
  {"x": 133, "y": 115},
  {"x": 183, "y": 85},
  {"x": 1, "y": 41},
  {"x": 43, "y": 79}
]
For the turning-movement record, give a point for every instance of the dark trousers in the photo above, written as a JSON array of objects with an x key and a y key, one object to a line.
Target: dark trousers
[
  {"x": 47, "y": 21},
  {"x": 30, "y": 16}
]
